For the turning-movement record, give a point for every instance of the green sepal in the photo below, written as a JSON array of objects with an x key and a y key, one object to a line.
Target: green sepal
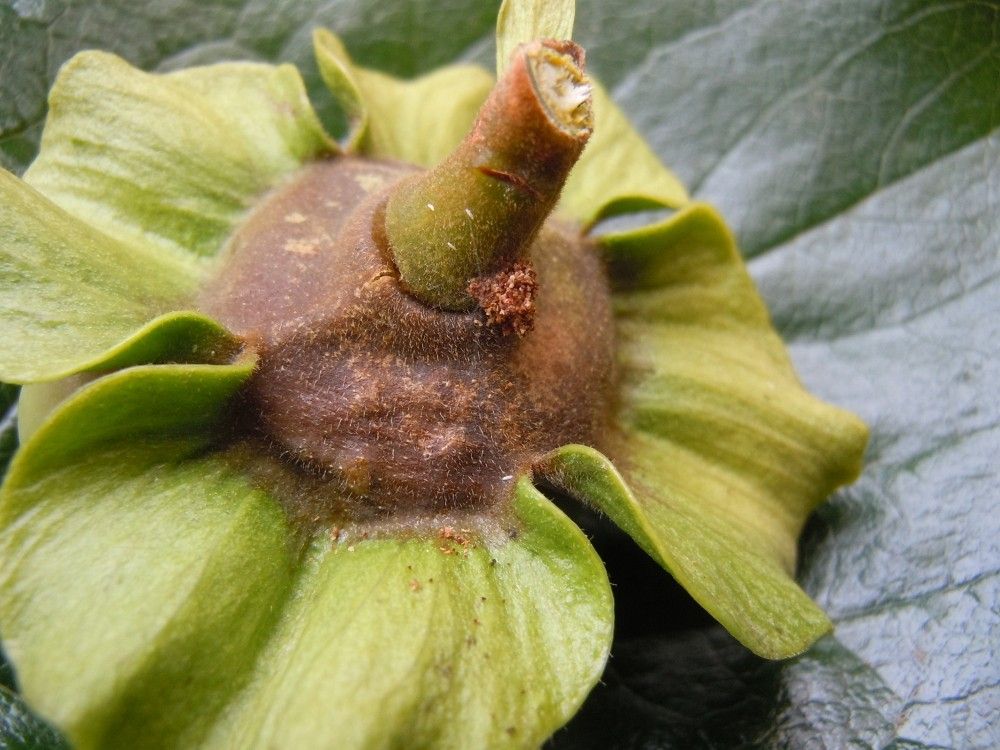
[
  {"x": 340, "y": 76},
  {"x": 722, "y": 453},
  {"x": 154, "y": 597},
  {"x": 172, "y": 161},
  {"x": 125, "y": 590},
  {"x": 430, "y": 643},
  {"x": 735, "y": 579},
  {"x": 423, "y": 120},
  {"x": 149, "y": 402},
  {"x": 179, "y": 337},
  {"x": 419, "y": 121},
  {"x": 618, "y": 171},
  {"x": 71, "y": 292},
  {"x": 521, "y": 21}
]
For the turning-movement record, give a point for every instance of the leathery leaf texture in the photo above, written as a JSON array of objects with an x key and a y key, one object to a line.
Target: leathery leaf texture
[{"x": 219, "y": 624}]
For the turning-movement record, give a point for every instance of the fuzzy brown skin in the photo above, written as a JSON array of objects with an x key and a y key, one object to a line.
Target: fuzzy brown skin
[{"x": 394, "y": 408}]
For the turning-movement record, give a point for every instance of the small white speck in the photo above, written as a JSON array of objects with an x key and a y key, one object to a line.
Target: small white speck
[
  {"x": 452, "y": 246},
  {"x": 468, "y": 212},
  {"x": 507, "y": 478},
  {"x": 430, "y": 206}
]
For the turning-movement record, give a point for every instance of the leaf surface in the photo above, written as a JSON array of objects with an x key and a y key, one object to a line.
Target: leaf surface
[
  {"x": 522, "y": 22},
  {"x": 73, "y": 292},
  {"x": 20, "y": 729},
  {"x": 172, "y": 161},
  {"x": 780, "y": 112}
]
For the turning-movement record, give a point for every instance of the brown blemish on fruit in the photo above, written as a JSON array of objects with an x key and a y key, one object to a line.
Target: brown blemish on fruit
[
  {"x": 370, "y": 181},
  {"x": 370, "y": 409}
]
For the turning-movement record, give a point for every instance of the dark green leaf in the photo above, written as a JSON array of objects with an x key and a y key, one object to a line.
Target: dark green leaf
[
  {"x": 715, "y": 695},
  {"x": 854, "y": 146},
  {"x": 20, "y": 729},
  {"x": 786, "y": 113},
  {"x": 402, "y": 38},
  {"x": 8, "y": 424}
]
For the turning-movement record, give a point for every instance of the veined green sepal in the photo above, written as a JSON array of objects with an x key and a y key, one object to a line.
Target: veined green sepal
[
  {"x": 720, "y": 453},
  {"x": 174, "y": 160},
  {"x": 180, "y": 337},
  {"x": 419, "y": 121},
  {"x": 181, "y": 609}
]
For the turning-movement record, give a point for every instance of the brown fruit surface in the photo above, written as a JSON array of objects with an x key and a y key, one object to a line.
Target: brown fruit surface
[{"x": 381, "y": 406}]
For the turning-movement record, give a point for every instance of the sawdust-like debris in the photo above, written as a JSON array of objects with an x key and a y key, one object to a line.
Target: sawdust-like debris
[{"x": 508, "y": 297}]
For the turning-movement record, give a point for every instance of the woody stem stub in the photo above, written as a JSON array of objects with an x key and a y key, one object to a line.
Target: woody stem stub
[{"x": 477, "y": 212}]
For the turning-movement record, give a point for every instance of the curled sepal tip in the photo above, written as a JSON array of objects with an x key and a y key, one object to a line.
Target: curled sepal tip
[{"x": 478, "y": 211}]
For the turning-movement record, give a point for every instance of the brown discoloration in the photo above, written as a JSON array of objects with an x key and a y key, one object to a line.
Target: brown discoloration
[
  {"x": 370, "y": 406},
  {"x": 508, "y": 298}
]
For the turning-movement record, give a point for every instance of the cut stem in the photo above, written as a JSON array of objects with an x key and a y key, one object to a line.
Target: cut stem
[{"x": 479, "y": 210}]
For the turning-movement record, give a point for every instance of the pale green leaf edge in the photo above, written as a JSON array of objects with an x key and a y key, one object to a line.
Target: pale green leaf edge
[
  {"x": 521, "y": 21},
  {"x": 392, "y": 118},
  {"x": 181, "y": 336},
  {"x": 589, "y": 476},
  {"x": 618, "y": 171},
  {"x": 208, "y": 389},
  {"x": 337, "y": 72},
  {"x": 419, "y": 121},
  {"x": 172, "y": 161}
]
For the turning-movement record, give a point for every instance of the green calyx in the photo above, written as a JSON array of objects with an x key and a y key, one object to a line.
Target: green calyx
[
  {"x": 218, "y": 627},
  {"x": 479, "y": 210},
  {"x": 222, "y": 623}
]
